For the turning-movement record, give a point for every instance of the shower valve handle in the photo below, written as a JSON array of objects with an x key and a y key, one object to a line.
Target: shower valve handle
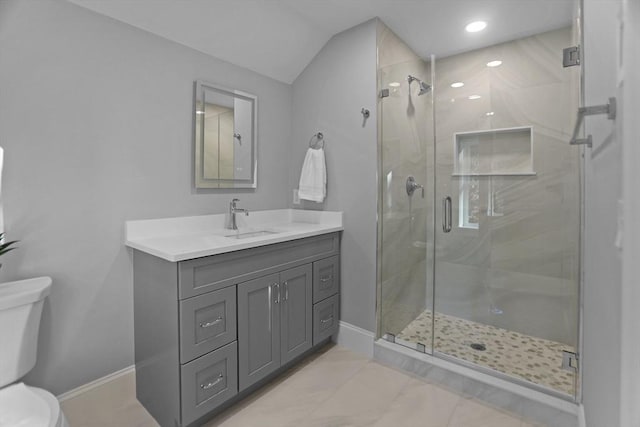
[{"x": 412, "y": 186}]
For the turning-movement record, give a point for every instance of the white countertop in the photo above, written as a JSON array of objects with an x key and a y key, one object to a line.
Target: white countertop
[{"x": 183, "y": 238}]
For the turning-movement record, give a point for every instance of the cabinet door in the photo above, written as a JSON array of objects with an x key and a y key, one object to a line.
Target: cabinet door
[
  {"x": 296, "y": 307},
  {"x": 258, "y": 329}
]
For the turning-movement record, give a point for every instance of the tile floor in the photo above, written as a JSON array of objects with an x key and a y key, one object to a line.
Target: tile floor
[
  {"x": 334, "y": 387},
  {"x": 533, "y": 359}
]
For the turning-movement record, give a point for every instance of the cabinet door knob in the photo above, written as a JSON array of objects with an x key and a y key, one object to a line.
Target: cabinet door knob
[
  {"x": 276, "y": 290},
  {"x": 285, "y": 284},
  {"x": 326, "y": 278}
]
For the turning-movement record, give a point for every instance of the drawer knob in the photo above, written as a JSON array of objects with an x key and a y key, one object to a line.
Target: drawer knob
[
  {"x": 326, "y": 278},
  {"x": 210, "y": 324},
  {"x": 211, "y": 384},
  {"x": 328, "y": 319}
]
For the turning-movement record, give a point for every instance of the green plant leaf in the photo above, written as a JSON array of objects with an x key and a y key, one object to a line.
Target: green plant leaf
[{"x": 6, "y": 246}]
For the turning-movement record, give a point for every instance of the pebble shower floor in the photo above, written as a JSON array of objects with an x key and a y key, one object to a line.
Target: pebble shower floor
[{"x": 533, "y": 359}]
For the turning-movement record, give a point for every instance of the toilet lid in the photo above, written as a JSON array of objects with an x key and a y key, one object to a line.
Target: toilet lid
[{"x": 19, "y": 406}]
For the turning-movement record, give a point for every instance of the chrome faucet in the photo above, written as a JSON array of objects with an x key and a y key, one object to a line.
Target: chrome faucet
[{"x": 231, "y": 222}]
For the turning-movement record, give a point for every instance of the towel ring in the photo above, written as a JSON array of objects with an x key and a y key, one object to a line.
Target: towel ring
[{"x": 319, "y": 137}]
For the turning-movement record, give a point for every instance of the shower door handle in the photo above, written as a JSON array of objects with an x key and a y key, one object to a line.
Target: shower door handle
[{"x": 446, "y": 214}]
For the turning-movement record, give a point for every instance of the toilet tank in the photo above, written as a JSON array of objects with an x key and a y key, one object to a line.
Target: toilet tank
[{"x": 20, "y": 309}]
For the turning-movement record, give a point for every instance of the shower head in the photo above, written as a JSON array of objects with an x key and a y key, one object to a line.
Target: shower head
[{"x": 424, "y": 88}]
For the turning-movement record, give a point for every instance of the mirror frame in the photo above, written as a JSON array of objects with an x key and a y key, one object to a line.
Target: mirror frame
[{"x": 198, "y": 138}]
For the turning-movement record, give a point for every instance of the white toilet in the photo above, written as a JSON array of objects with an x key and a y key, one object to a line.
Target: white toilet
[{"x": 20, "y": 310}]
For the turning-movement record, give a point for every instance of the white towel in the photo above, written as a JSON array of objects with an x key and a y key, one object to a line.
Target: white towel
[{"x": 313, "y": 178}]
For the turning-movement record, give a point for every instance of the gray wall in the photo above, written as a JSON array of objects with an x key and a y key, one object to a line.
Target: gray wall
[
  {"x": 602, "y": 267},
  {"x": 95, "y": 120},
  {"x": 327, "y": 97},
  {"x": 630, "y": 351}
]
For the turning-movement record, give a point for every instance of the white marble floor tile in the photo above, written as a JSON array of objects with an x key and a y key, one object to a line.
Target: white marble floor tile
[
  {"x": 334, "y": 387},
  {"x": 420, "y": 404},
  {"x": 533, "y": 424},
  {"x": 110, "y": 404},
  {"x": 472, "y": 413},
  {"x": 296, "y": 396},
  {"x": 362, "y": 400}
]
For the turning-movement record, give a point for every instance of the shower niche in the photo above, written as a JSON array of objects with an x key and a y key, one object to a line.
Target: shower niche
[{"x": 494, "y": 152}]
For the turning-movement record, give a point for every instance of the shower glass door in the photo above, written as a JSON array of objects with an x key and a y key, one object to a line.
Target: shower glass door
[{"x": 507, "y": 203}]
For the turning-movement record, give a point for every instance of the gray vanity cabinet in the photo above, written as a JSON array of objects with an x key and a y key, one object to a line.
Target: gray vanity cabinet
[
  {"x": 208, "y": 329},
  {"x": 274, "y": 322}
]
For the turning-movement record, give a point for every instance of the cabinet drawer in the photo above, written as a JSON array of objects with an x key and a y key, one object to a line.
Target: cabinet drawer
[
  {"x": 208, "y": 381},
  {"x": 207, "y": 322},
  {"x": 326, "y": 278},
  {"x": 201, "y": 275},
  {"x": 326, "y": 318}
]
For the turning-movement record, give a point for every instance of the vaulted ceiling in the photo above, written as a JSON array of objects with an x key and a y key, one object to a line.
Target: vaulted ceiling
[{"x": 278, "y": 38}]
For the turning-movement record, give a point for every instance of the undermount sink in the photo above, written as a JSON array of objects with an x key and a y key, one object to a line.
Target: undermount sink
[{"x": 249, "y": 234}]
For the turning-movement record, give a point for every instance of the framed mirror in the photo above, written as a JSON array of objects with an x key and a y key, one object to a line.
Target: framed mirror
[{"x": 225, "y": 137}]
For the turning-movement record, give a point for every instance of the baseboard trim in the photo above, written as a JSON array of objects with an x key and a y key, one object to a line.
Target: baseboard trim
[
  {"x": 355, "y": 339},
  {"x": 582, "y": 421},
  {"x": 96, "y": 383}
]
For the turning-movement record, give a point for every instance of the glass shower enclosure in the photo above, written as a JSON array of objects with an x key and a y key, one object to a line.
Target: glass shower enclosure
[{"x": 480, "y": 207}]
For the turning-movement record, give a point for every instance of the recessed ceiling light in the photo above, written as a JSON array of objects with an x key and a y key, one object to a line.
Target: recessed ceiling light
[
  {"x": 457, "y": 84},
  {"x": 495, "y": 63},
  {"x": 394, "y": 84},
  {"x": 490, "y": 113},
  {"x": 474, "y": 97},
  {"x": 199, "y": 112},
  {"x": 475, "y": 26}
]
